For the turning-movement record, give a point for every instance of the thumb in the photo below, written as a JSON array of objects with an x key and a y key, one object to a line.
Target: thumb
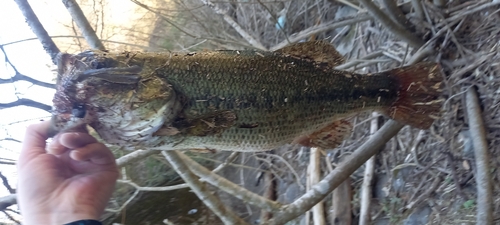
[{"x": 34, "y": 141}]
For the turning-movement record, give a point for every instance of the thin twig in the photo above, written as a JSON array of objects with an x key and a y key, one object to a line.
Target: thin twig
[
  {"x": 229, "y": 187},
  {"x": 395, "y": 13},
  {"x": 6, "y": 184},
  {"x": 226, "y": 162},
  {"x": 48, "y": 44},
  {"x": 314, "y": 174},
  {"x": 73, "y": 36},
  {"x": 165, "y": 188},
  {"x": 337, "y": 176},
  {"x": 355, "y": 62},
  {"x": 467, "y": 11},
  {"x": 321, "y": 28},
  {"x": 134, "y": 157},
  {"x": 251, "y": 40},
  {"x": 419, "y": 11},
  {"x": 483, "y": 177},
  {"x": 18, "y": 76},
  {"x": 226, "y": 215},
  {"x": 7, "y": 201},
  {"x": 26, "y": 102},
  {"x": 84, "y": 25},
  {"x": 366, "y": 187},
  {"x": 393, "y": 27},
  {"x": 11, "y": 218}
]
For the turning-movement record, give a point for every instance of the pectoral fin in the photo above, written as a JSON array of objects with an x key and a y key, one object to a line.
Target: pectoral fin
[
  {"x": 317, "y": 51},
  {"x": 204, "y": 125},
  {"x": 327, "y": 137}
]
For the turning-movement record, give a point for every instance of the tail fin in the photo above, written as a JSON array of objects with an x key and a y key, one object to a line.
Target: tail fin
[{"x": 418, "y": 102}]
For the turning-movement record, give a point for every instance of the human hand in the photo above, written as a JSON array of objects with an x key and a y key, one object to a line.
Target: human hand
[{"x": 70, "y": 179}]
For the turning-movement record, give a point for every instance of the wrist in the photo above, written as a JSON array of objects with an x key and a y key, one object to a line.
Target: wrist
[{"x": 56, "y": 217}]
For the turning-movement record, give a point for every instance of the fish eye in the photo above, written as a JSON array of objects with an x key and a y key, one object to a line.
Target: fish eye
[{"x": 78, "y": 110}]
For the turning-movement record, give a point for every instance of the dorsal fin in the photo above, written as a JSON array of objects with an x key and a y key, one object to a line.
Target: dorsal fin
[{"x": 317, "y": 51}]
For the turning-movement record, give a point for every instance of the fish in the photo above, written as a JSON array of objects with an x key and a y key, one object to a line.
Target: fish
[{"x": 234, "y": 100}]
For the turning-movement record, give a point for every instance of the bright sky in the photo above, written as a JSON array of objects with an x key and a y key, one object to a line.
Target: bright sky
[{"x": 30, "y": 59}]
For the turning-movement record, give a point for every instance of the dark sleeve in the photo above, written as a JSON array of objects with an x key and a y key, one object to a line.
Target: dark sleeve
[{"x": 85, "y": 222}]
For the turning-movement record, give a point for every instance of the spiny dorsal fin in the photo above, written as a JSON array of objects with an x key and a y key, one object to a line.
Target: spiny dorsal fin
[
  {"x": 327, "y": 137},
  {"x": 317, "y": 51}
]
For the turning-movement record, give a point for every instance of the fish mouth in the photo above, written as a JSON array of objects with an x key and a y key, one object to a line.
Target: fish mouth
[{"x": 64, "y": 123}]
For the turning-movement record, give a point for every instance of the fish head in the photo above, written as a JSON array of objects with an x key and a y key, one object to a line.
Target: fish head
[{"x": 81, "y": 81}]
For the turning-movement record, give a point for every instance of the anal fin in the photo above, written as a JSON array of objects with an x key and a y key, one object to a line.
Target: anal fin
[{"x": 327, "y": 137}]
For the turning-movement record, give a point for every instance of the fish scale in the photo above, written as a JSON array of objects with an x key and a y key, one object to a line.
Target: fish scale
[{"x": 237, "y": 100}]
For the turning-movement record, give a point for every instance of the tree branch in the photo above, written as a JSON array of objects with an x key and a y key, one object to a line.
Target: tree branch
[
  {"x": 366, "y": 187},
  {"x": 319, "y": 191},
  {"x": 251, "y": 40},
  {"x": 84, "y": 25},
  {"x": 6, "y": 183},
  {"x": 134, "y": 157},
  {"x": 229, "y": 187},
  {"x": 483, "y": 177},
  {"x": 226, "y": 215},
  {"x": 26, "y": 102},
  {"x": 419, "y": 11},
  {"x": 320, "y": 28},
  {"x": 395, "y": 13},
  {"x": 393, "y": 27},
  {"x": 20, "y": 76},
  {"x": 73, "y": 36},
  {"x": 7, "y": 201},
  {"x": 48, "y": 45}
]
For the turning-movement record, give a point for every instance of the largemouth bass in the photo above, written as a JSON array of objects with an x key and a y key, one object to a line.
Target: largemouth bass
[{"x": 234, "y": 100}]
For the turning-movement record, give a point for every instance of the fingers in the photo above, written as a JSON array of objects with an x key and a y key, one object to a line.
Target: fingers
[
  {"x": 62, "y": 142},
  {"x": 84, "y": 147},
  {"x": 97, "y": 153},
  {"x": 34, "y": 141}
]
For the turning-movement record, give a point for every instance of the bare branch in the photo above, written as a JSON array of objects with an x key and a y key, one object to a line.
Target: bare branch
[
  {"x": 134, "y": 157},
  {"x": 11, "y": 218},
  {"x": 7, "y": 201},
  {"x": 396, "y": 14},
  {"x": 251, "y": 40},
  {"x": 314, "y": 175},
  {"x": 165, "y": 188},
  {"x": 366, "y": 187},
  {"x": 10, "y": 139},
  {"x": 393, "y": 27},
  {"x": 483, "y": 177},
  {"x": 229, "y": 187},
  {"x": 417, "y": 6},
  {"x": 6, "y": 183},
  {"x": 20, "y": 76},
  {"x": 84, "y": 25},
  {"x": 320, "y": 28},
  {"x": 72, "y": 36},
  {"x": 226, "y": 162},
  {"x": 226, "y": 215},
  {"x": 337, "y": 176},
  {"x": 7, "y": 163},
  {"x": 26, "y": 102},
  {"x": 48, "y": 45}
]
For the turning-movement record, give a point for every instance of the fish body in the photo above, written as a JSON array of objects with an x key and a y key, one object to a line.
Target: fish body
[{"x": 234, "y": 100}]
